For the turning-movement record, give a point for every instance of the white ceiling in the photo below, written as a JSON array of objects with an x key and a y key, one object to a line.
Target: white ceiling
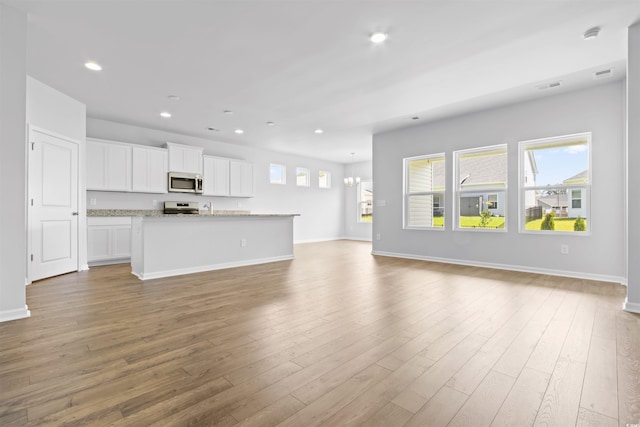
[{"x": 307, "y": 64}]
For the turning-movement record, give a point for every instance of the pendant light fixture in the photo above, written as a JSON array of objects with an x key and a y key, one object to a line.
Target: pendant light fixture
[{"x": 350, "y": 180}]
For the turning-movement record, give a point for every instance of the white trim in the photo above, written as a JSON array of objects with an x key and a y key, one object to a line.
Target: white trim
[
  {"x": 359, "y": 239},
  {"x": 85, "y": 267},
  {"x": 562, "y": 273},
  {"x": 15, "y": 314},
  {"x": 126, "y": 260},
  {"x": 324, "y": 239},
  {"x": 210, "y": 267},
  {"x": 632, "y": 307}
]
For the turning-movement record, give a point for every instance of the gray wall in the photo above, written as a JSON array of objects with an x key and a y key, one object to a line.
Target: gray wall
[
  {"x": 321, "y": 210},
  {"x": 633, "y": 154},
  {"x": 13, "y": 248},
  {"x": 600, "y": 255}
]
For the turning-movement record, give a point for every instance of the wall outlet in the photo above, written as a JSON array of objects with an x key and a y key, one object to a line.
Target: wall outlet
[
  {"x": 93, "y": 202},
  {"x": 378, "y": 236},
  {"x": 564, "y": 249},
  {"x": 243, "y": 243}
]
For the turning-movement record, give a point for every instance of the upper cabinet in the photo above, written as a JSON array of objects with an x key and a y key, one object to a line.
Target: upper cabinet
[
  {"x": 184, "y": 158},
  {"x": 215, "y": 176},
  {"x": 240, "y": 178},
  {"x": 149, "y": 171},
  {"x": 108, "y": 165}
]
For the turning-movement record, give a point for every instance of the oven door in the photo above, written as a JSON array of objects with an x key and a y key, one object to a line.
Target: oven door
[{"x": 182, "y": 183}]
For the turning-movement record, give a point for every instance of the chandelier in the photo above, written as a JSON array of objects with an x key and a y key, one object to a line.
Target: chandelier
[{"x": 350, "y": 180}]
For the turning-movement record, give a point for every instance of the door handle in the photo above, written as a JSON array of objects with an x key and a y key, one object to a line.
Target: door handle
[{"x": 74, "y": 213}]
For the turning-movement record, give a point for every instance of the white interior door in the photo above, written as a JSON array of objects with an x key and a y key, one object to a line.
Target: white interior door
[{"x": 53, "y": 210}]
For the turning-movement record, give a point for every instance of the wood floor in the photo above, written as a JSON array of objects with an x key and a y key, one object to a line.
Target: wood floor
[{"x": 334, "y": 337}]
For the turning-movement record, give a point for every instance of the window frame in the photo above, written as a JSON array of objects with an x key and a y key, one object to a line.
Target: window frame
[
  {"x": 359, "y": 202},
  {"x": 283, "y": 169},
  {"x": 440, "y": 194},
  {"x": 493, "y": 189},
  {"x": 328, "y": 175},
  {"x": 556, "y": 141},
  {"x": 307, "y": 174}
]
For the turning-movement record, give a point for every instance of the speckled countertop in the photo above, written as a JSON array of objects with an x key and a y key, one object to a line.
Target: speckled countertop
[{"x": 159, "y": 213}]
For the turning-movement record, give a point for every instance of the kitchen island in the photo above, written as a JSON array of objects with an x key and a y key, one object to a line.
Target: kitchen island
[{"x": 164, "y": 245}]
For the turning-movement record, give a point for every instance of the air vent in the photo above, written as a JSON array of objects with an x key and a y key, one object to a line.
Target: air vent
[
  {"x": 603, "y": 73},
  {"x": 549, "y": 85}
]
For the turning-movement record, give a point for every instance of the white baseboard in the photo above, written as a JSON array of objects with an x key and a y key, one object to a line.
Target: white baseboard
[
  {"x": 324, "y": 239},
  {"x": 18, "y": 313},
  {"x": 211, "y": 267},
  {"x": 359, "y": 239},
  {"x": 83, "y": 267},
  {"x": 633, "y": 307},
  {"x": 551, "y": 272}
]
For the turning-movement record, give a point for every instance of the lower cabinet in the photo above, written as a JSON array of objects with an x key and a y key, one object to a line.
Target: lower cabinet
[{"x": 108, "y": 240}]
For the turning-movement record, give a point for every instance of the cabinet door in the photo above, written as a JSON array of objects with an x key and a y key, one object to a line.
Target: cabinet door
[
  {"x": 98, "y": 243},
  {"x": 149, "y": 170},
  {"x": 96, "y": 170},
  {"x": 241, "y": 179},
  {"x": 121, "y": 241},
  {"x": 183, "y": 158},
  {"x": 215, "y": 176},
  {"x": 118, "y": 165}
]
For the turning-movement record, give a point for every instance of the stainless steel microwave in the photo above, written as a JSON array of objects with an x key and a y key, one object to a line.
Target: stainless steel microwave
[{"x": 180, "y": 182}]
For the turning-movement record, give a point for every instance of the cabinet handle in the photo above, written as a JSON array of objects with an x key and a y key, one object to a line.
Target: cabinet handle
[{"x": 74, "y": 213}]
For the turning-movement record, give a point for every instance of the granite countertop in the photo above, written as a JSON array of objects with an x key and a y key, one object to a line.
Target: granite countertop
[{"x": 160, "y": 213}]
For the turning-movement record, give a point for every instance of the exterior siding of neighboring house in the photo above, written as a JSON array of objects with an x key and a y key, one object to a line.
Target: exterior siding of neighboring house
[
  {"x": 483, "y": 171},
  {"x": 571, "y": 204},
  {"x": 577, "y": 197}
]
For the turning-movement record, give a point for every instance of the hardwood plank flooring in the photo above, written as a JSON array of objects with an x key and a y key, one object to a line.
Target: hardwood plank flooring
[{"x": 334, "y": 337}]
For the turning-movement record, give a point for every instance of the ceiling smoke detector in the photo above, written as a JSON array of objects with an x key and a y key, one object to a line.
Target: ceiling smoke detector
[{"x": 591, "y": 33}]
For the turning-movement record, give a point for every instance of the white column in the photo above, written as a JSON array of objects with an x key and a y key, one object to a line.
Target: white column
[
  {"x": 13, "y": 247},
  {"x": 633, "y": 171}
]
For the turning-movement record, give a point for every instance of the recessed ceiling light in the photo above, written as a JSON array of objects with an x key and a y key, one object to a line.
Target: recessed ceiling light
[
  {"x": 238, "y": 131},
  {"x": 270, "y": 124},
  {"x": 174, "y": 97},
  {"x": 165, "y": 114},
  {"x": 318, "y": 131},
  {"x": 228, "y": 112},
  {"x": 591, "y": 33},
  {"x": 378, "y": 37},
  {"x": 93, "y": 66}
]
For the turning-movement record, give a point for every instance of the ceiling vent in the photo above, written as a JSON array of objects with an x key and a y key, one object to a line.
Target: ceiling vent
[
  {"x": 603, "y": 73},
  {"x": 549, "y": 85}
]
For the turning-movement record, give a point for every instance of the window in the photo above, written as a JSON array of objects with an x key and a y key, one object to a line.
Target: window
[
  {"x": 481, "y": 188},
  {"x": 424, "y": 184},
  {"x": 277, "y": 174},
  {"x": 365, "y": 201},
  {"x": 302, "y": 177},
  {"x": 555, "y": 183},
  {"x": 324, "y": 179}
]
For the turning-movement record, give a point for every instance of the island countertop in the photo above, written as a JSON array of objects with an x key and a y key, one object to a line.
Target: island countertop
[{"x": 160, "y": 213}]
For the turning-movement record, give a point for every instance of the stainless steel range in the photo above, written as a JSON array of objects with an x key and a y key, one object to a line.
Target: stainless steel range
[{"x": 192, "y": 208}]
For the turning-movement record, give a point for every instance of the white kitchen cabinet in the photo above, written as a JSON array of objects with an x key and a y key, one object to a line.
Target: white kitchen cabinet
[
  {"x": 108, "y": 165},
  {"x": 108, "y": 239},
  {"x": 149, "y": 169},
  {"x": 184, "y": 158},
  {"x": 240, "y": 178},
  {"x": 215, "y": 176}
]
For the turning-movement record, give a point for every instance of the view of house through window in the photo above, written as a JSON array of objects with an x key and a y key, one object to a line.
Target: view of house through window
[
  {"x": 365, "y": 201},
  {"x": 424, "y": 185},
  {"x": 324, "y": 179},
  {"x": 481, "y": 180},
  {"x": 277, "y": 174},
  {"x": 555, "y": 184},
  {"x": 302, "y": 177}
]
